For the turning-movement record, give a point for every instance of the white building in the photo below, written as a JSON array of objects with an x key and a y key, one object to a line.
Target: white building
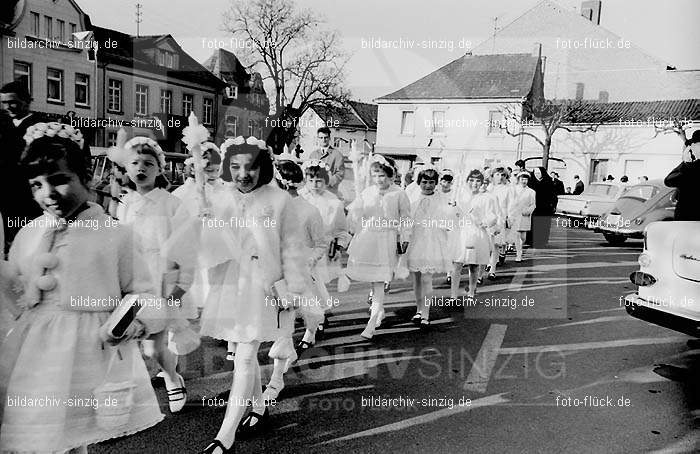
[
  {"x": 453, "y": 115},
  {"x": 353, "y": 124}
]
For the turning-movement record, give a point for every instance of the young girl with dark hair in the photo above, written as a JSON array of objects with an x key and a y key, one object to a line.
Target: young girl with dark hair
[
  {"x": 72, "y": 266},
  {"x": 264, "y": 273},
  {"x": 477, "y": 212},
  {"x": 429, "y": 248}
]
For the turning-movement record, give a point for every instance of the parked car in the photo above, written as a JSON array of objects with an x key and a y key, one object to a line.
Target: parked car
[
  {"x": 636, "y": 208},
  {"x": 669, "y": 277},
  {"x": 589, "y": 205}
]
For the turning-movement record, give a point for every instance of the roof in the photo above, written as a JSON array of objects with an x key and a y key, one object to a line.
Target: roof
[
  {"x": 475, "y": 77},
  {"x": 345, "y": 117},
  {"x": 635, "y": 113},
  {"x": 366, "y": 112},
  {"x": 130, "y": 51},
  {"x": 226, "y": 66}
]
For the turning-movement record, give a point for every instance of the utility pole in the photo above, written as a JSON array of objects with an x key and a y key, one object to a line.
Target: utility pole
[
  {"x": 138, "y": 19},
  {"x": 495, "y": 29}
]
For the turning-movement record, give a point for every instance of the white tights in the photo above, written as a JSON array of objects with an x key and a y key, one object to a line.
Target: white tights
[
  {"x": 246, "y": 387},
  {"x": 423, "y": 288}
]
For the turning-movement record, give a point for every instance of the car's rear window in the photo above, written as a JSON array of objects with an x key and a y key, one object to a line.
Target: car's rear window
[
  {"x": 640, "y": 192},
  {"x": 600, "y": 189}
]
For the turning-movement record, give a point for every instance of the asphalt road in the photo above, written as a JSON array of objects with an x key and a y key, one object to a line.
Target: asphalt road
[{"x": 548, "y": 361}]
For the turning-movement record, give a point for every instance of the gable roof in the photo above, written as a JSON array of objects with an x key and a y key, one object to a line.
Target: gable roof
[
  {"x": 475, "y": 77},
  {"x": 344, "y": 116},
  {"x": 366, "y": 112},
  {"x": 226, "y": 66},
  {"x": 636, "y": 113},
  {"x": 131, "y": 51}
]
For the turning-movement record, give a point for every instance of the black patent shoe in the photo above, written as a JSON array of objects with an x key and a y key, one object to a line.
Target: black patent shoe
[
  {"x": 303, "y": 346},
  {"x": 253, "y": 424},
  {"x": 217, "y": 444},
  {"x": 424, "y": 324}
]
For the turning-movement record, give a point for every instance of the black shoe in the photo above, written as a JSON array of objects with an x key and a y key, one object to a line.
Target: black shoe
[
  {"x": 416, "y": 319},
  {"x": 321, "y": 329},
  {"x": 217, "y": 444},
  {"x": 253, "y": 424},
  {"x": 480, "y": 281},
  {"x": 449, "y": 279},
  {"x": 424, "y": 324},
  {"x": 369, "y": 297},
  {"x": 501, "y": 259},
  {"x": 387, "y": 286},
  {"x": 303, "y": 346},
  {"x": 492, "y": 276}
]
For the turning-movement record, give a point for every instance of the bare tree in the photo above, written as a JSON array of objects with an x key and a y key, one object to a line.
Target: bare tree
[
  {"x": 550, "y": 116},
  {"x": 303, "y": 63},
  {"x": 675, "y": 126}
]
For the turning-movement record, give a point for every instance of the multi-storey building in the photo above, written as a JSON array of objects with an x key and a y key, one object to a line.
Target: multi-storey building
[
  {"x": 244, "y": 107},
  {"x": 39, "y": 48}
]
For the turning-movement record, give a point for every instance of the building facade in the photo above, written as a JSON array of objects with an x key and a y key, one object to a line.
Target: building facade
[
  {"x": 243, "y": 105},
  {"x": 453, "y": 116},
  {"x": 352, "y": 125},
  {"x": 39, "y": 49}
]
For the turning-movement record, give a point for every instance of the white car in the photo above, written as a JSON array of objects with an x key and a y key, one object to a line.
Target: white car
[
  {"x": 596, "y": 199},
  {"x": 669, "y": 277}
]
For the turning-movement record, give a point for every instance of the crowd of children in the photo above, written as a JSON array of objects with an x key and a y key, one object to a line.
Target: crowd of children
[{"x": 250, "y": 239}]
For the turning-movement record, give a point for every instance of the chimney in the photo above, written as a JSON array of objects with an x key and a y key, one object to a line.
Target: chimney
[
  {"x": 603, "y": 96},
  {"x": 590, "y": 9},
  {"x": 537, "y": 50},
  {"x": 579, "y": 90}
]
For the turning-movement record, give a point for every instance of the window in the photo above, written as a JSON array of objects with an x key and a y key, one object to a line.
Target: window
[
  {"x": 495, "y": 121},
  {"x": 208, "y": 111},
  {"x": 337, "y": 142},
  {"x": 251, "y": 127},
  {"x": 48, "y": 27},
  {"x": 115, "y": 95},
  {"x": 260, "y": 130},
  {"x": 231, "y": 126},
  {"x": 73, "y": 29},
  {"x": 82, "y": 89},
  {"x": 111, "y": 139},
  {"x": 23, "y": 74},
  {"x": 187, "y": 104},
  {"x": 166, "y": 101},
  {"x": 438, "y": 124},
  {"x": 232, "y": 91},
  {"x": 61, "y": 30},
  {"x": 165, "y": 58},
  {"x": 54, "y": 85},
  {"x": 141, "y": 99},
  {"x": 35, "y": 24},
  {"x": 407, "y": 122}
]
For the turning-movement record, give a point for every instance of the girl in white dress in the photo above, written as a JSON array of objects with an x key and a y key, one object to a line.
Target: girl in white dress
[
  {"x": 521, "y": 214},
  {"x": 380, "y": 218},
  {"x": 289, "y": 176},
  {"x": 504, "y": 195},
  {"x": 245, "y": 308},
  {"x": 429, "y": 251},
  {"x": 477, "y": 212},
  {"x": 151, "y": 210},
  {"x": 332, "y": 211},
  {"x": 70, "y": 268}
]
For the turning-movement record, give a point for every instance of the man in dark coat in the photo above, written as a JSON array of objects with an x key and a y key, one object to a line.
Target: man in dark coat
[
  {"x": 686, "y": 177},
  {"x": 15, "y": 118},
  {"x": 578, "y": 186},
  {"x": 558, "y": 184}
]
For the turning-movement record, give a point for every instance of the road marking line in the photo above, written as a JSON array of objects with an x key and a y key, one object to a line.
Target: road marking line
[
  {"x": 609, "y": 318},
  {"x": 494, "y": 399},
  {"x": 592, "y": 345},
  {"x": 479, "y": 375}
]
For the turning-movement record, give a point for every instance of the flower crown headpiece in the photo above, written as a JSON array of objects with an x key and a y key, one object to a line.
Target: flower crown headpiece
[
  {"x": 380, "y": 159},
  {"x": 445, "y": 172},
  {"x": 240, "y": 140},
  {"x": 287, "y": 183},
  {"x": 316, "y": 163},
  {"x": 425, "y": 167},
  {"x": 53, "y": 129},
  {"x": 152, "y": 144}
]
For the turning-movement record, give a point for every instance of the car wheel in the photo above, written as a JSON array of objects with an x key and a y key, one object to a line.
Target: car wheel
[{"x": 614, "y": 239}]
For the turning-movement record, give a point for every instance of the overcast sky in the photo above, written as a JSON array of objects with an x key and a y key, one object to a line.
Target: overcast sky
[{"x": 665, "y": 29}]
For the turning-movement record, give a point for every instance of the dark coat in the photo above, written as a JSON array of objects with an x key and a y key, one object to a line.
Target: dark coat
[
  {"x": 578, "y": 188},
  {"x": 686, "y": 177},
  {"x": 545, "y": 197}
]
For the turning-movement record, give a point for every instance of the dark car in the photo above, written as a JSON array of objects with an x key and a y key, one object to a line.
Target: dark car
[{"x": 636, "y": 208}]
